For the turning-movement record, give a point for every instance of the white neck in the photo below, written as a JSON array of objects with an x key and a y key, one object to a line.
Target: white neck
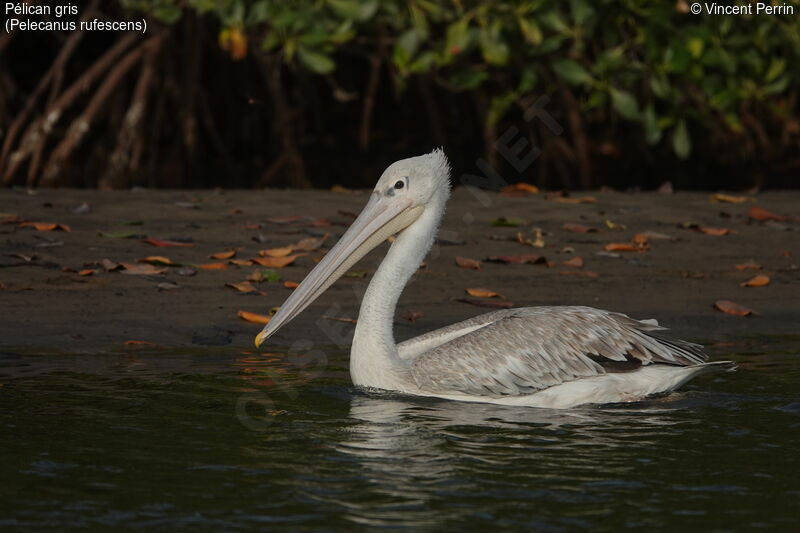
[{"x": 374, "y": 361}]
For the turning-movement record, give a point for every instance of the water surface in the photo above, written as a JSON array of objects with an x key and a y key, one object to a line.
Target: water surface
[{"x": 222, "y": 439}]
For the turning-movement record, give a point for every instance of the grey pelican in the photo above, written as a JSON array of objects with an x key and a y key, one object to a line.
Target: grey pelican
[{"x": 554, "y": 357}]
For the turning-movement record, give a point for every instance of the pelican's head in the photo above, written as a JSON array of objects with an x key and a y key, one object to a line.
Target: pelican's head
[{"x": 403, "y": 192}]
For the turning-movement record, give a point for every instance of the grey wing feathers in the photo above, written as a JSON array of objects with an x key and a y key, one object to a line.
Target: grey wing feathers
[{"x": 529, "y": 349}]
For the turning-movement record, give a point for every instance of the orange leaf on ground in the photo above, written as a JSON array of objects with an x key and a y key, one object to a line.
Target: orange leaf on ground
[
  {"x": 164, "y": 244},
  {"x": 717, "y": 232},
  {"x": 86, "y": 272},
  {"x": 640, "y": 239},
  {"x": 213, "y": 266},
  {"x": 253, "y": 317},
  {"x": 727, "y": 198},
  {"x": 579, "y": 273},
  {"x": 291, "y": 284},
  {"x": 732, "y": 308},
  {"x": 622, "y": 247},
  {"x": 141, "y": 270},
  {"x": 482, "y": 293},
  {"x": 472, "y": 264},
  {"x": 223, "y": 255},
  {"x": 245, "y": 287},
  {"x": 156, "y": 260},
  {"x": 521, "y": 187},
  {"x": 578, "y": 228},
  {"x": 531, "y": 259},
  {"x": 45, "y": 226},
  {"x": 276, "y": 252},
  {"x": 241, "y": 262},
  {"x": 494, "y": 304},
  {"x": 412, "y": 316},
  {"x": 750, "y": 265},
  {"x": 276, "y": 262},
  {"x": 576, "y": 262},
  {"x": 580, "y": 200},
  {"x": 760, "y": 280},
  {"x": 759, "y": 213}
]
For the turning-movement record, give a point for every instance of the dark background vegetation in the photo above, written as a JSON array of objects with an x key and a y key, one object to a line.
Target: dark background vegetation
[{"x": 257, "y": 93}]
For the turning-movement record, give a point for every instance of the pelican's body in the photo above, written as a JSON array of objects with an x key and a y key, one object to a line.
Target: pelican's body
[{"x": 555, "y": 357}]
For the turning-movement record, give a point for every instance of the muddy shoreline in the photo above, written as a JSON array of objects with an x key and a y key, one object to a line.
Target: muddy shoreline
[{"x": 45, "y": 302}]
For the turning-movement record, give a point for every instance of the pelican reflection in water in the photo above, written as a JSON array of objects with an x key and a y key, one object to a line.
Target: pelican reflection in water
[{"x": 557, "y": 357}]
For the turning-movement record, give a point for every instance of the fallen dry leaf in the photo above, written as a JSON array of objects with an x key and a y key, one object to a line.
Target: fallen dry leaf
[
  {"x": 576, "y": 262},
  {"x": 494, "y": 304},
  {"x": 253, "y": 317},
  {"x": 520, "y": 188},
  {"x": 482, "y": 293},
  {"x": 760, "y": 280},
  {"x": 241, "y": 262},
  {"x": 245, "y": 287},
  {"x": 656, "y": 236},
  {"x": 578, "y": 228},
  {"x": 156, "y": 260},
  {"x": 759, "y": 213},
  {"x": 732, "y": 308},
  {"x": 165, "y": 244},
  {"x": 472, "y": 264},
  {"x": 310, "y": 244},
  {"x": 276, "y": 262},
  {"x": 86, "y": 272},
  {"x": 640, "y": 239},
  {"x": 276, "y": 252},
  {"x": 223, "y": 255},
  {"x": 141, "y": 269},
  {"x": 717, "y": 232},
  {"x": 509, "y": 222},
  {"x": 615, "y": 226},
  {"x": 45, "y": 226},
  {"x": 291, "y": 284},
  {"x": 579, "y": 200},
  {"x": 139, "y": 343},
  {"x": 213, "y": 266},
  {"x": 109, "y": 265},
  {"x": 622, "y": 247},
  {"x": 750, "y": 265},
  {"x": 531, "y": 259},
  {"x": 727, "y": 198},
  {"x": 537, "y": 242},
  {"x": 412, "y": 316},
  {"x": 341, "y": 319},
  {"x": 580, "y": 273}
]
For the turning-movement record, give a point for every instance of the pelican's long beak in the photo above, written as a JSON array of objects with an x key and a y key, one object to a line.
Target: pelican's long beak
[{"x": 382, "y": 217}]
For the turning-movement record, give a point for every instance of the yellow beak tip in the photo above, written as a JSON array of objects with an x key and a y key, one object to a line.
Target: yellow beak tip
[{"x": 260, "y": 338}]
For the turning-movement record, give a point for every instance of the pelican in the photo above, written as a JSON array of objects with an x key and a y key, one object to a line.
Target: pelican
[{"x": 552, "y": 357}]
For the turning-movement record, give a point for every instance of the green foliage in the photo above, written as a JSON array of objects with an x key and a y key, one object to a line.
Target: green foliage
[{"x": 647, "y": 63}]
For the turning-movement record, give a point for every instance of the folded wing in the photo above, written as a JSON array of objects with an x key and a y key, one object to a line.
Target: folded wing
[{"x": 525, "y": 350}]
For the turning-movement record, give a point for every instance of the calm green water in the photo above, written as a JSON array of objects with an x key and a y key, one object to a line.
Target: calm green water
[{"x": 221, "y": 440}]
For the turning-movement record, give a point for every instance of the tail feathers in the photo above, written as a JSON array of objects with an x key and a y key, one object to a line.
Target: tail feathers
[{"x": 714, "y": 366}]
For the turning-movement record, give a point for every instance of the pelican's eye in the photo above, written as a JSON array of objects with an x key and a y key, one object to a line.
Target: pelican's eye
[{"x": 399, "y": 184}]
